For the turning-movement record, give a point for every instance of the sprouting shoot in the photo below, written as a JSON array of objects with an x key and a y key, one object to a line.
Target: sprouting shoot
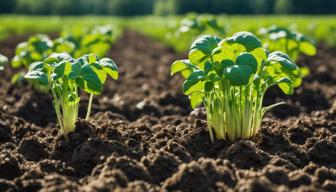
[
  {"x": 64, "y": 75},
  {"x": 230, "y": 77}
]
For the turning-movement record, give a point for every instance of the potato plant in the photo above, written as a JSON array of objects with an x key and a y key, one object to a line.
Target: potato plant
[
  {"x": 37, "y": 48},
  {"x": 97, "y": 40},
  {"x": 64, "y": 75},
  {"x": 289, "y": 41},
  {"x": 77, "y": 42},
  {"x": 3, "y": 61},
  {"x": 230, "y": 77},
  {"x": 197, "y": 25}
]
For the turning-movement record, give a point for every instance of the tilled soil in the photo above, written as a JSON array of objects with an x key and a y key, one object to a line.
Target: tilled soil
[{"x": 143, "y": 136}]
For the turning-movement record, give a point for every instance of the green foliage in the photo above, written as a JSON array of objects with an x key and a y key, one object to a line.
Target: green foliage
[
  {"x": 63, "y": 75},
  {"x": 37, "y": 48},
  {"x": 76, "y": 42},
  {"x": 194, "y": 26},
  {"x": 97, "y": 40},
  {"x": 230, "y": 77},
  {"x": 3, "y": 61},
  {"x": 289, "y": 41}
]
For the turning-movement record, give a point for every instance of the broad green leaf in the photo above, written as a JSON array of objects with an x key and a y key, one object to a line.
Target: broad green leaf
[
  {"x": 260, "y": 54},
  {"x": 196, "y": 99},
  {"x": 197, "y": 87},
  {"x": 237, "y": 75},
  {"x": 226, "y": 52},
  {"x": 99, "y": 70},
  {"x": 180, "y": 65},
  {"x": 202, "y": 48},
  {"x": 61, "y": 69},
  {"x": 194, "y": 78},
  {"x": 240, "y": 73},
  {"x": 109, "y": 67},
  {"x": 36, "y": 66},
  {"x": 286, "y": 85},
  {"x": 307, "y": 48},
  {"x": 55, "y": 58},
  {"x": 38, "y": 76},
  {"x": 206, "y": 44},
  {"x": 75, "y": 70},
  {"x": 208, "y": 86},
  {"x": 92, "y": 82},
  {"x": 247, "y": 39},
  {"x": 92, "y": 58},
  {"x": 220, "y": 66},
  {"x": 282, "y": 59},
  {"x": 247, "y": 59}
]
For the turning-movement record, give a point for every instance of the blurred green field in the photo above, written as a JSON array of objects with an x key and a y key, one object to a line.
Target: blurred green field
[{"x": 321, "y": 28}]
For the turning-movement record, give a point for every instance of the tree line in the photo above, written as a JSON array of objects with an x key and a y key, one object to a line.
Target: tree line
[{"x": 166, "y": 7}]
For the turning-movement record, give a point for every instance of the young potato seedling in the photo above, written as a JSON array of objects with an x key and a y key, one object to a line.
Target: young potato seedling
[
  {"x": 78, "y": 42},
  {"x": 199, "y": 24},
  {"x": 288, "y": 41},
  {"x": 63, "y": 75},
  {"x": 37, "y": 48},
  {"x": 230, "y": 77},
  {"x": 3, "y": 61},
  {"x": 97, "y": 40}
]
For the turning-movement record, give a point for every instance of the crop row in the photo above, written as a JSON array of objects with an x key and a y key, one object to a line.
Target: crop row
[{"x": 229, "y": 76}]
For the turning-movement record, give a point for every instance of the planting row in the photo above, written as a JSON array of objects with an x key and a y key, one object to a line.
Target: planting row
[{"x": 228, "y": 76}]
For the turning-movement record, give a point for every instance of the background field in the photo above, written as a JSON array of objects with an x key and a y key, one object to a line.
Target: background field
[{"x": 322, "y": 28}]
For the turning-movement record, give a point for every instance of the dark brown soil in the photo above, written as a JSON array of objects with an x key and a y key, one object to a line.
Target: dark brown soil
[{"x": 143, "y": 136}]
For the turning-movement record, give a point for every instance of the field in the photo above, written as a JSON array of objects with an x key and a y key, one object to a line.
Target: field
[{"x": 144, "y": 136}]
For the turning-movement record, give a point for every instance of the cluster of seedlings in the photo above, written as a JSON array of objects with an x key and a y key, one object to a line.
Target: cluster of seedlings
[{"x": 229, "y": 76}]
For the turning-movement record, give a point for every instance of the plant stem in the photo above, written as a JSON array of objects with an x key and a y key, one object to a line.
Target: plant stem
[{"x": 89, "y": 107}]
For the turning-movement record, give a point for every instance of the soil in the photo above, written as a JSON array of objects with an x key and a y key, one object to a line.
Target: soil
[{"x": 143, "y": 136}]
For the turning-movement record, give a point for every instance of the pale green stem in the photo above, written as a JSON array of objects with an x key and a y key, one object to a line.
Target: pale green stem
[{"x": 89, "y": 107}]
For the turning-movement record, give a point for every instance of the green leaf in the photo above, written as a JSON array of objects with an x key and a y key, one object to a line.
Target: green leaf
[
  {"x": 208, "y": 86},
  {"x": 307, "y": 48},
  {"x": 240, "y": 73},
  {"x": 109, "y": 67},
  {"x": 92, "y": 58},
  {"x": 282, "y": 59},
  {"x": 92, "y": 82},
  {"x": 202, "y": 48},
  {"x": 36, "y": 66},
  {"x": 196, "y": 99},
  {"x": 247, "y": 39},
  {"x": 38, "y": 76},
  {"x": 75, "y": 70},
  {"x": 180, "y": 65},
  {"x": 99, "y": 70},
  {"x": 247, "y": 59},
  {"x": 61, "y": 69},
  {"x": 260, "y": 54},
  {"x": 193, "y": 79},
  {"x": 55, "y": 58},
  {"x": 286, "y": 85}
]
